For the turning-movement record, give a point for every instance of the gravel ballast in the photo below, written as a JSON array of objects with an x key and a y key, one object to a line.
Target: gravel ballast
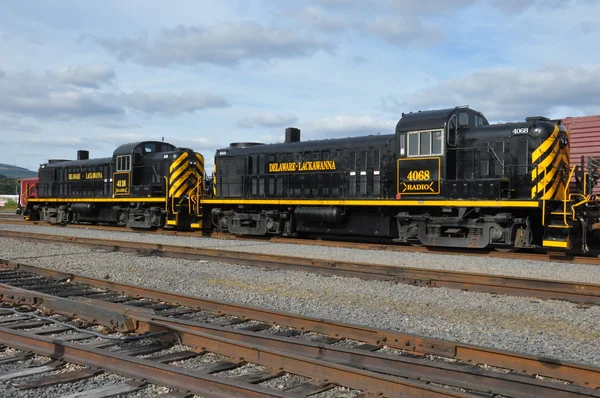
[
  {"x": 480, "y": 264},
  {"x": 547, "y": 328}
]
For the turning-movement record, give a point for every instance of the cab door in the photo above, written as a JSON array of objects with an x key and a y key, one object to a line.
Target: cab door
[
  {"x": 419, "y": 171},
  {"x": 122, "y": 176}
]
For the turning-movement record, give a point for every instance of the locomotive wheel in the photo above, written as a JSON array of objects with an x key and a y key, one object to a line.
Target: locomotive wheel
[{"x": 505, "y": 249}]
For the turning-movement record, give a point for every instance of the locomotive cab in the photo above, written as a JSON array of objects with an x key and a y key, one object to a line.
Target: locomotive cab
[
  {"x": 426, "y": 143},
  {"x": 158, "y": 169},
  {"x": 137, "y": 167}
]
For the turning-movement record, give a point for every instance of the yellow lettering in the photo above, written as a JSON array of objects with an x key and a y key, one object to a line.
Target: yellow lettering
[
  {"x": 93, "y": 175},
  {"x": 419, "y": 187},
  {"x": 302, "y": 166}
]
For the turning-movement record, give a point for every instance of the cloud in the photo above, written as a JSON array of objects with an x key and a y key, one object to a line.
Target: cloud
[
  {"x": 91, "y": 76},
  {"x": 400, "y": 24},
  {"x": 206, "y": 145},
  {"x": 268, "y": 120},
  {"x": 62, "y": 142},
  {"x": 318, "y": 18},
  {"x": 519, "y": 6},
  {"x": 391, "y": 104},
  {"x": 164, "y": 103},
  {"x": 590, "y": 26},
  {"x": 60, "y": 105},
  {"x": 117, "y": 123},
  {"x": 73, "y": 93},
  {"x": 509, "y": 94},
  {"x": 7, "y": 124},
  {"x": 357, "y": 60},
  {"x": 223, "y": 44},
  {"x": 348, "y": 126},
  {"x": 422, "y": 7},
  {"x": 404, "y": 31}
]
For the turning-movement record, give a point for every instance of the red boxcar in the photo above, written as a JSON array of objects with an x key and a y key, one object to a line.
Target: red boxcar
[
  {"x": 585, "y": 139},
  {"x": 28, "y": 190}
]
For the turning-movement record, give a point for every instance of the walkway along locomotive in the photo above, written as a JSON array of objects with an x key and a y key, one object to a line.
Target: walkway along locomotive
[
  {"x": 143, "y": 185},
  {"x": 444, "y": 178}
]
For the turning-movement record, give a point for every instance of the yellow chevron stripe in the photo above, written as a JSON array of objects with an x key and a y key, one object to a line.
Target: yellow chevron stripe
[
  {"x": 200, "y": 159},
  {"x": 214, "y": 180},
  {"x": 185, "y": 188},
  {"x": 177, "y": 185},
  {"x": 178, "y": 161},
  {"x": 181, "y": 178},
  {"x": 550, "y": 192},
  {"x": 545, "y": 145},
  {"x": 174, "y": 176},
  {"x": 546, "y": 162},
  {"x": 544, "y": 181}
]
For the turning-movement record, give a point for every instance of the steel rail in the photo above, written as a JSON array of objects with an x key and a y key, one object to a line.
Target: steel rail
[
  {"x": 577, "y": 292},
  {"x": 350, "y": 243},
  {"x": 261, "y": 354},
  {"x": 581, "y": 375},
  {"x": 347, "y": 242},
  {"x": 137, "y": 368},
  {"x": 195, "y": 335}
]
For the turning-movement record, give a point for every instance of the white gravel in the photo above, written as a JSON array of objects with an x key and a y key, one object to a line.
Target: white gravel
[
  {"x": 481, "y": 264},
  {"x": 546, "y": 328}
]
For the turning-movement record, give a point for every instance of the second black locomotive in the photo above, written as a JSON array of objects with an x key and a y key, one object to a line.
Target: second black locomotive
[{"x": 444, "y": 178}]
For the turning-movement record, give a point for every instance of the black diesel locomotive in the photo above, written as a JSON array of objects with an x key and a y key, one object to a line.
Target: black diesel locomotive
[
  {"x": 444, "y": 178},
  {"x": 143, "y": 185}
]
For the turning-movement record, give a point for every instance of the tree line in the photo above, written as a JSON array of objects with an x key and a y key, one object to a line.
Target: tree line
[{"x": 8, "y": 186}]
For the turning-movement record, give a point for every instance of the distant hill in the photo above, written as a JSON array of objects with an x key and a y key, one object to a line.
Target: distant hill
[{"x": 16, "y": 172}]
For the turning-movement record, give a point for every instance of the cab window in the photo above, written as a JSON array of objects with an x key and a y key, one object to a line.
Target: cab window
[
  {"x": 413, "y": 144},
  {"x": 424, "y": 143},
  {"x": 124, "y": 163}
]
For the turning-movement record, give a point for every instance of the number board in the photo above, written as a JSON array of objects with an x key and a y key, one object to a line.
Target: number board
[
  {"x": 419, "y": 176},
  {"x": 121, "y": 183}
]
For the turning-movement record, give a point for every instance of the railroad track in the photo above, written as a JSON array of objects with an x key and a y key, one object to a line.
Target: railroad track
[
  {"x": 322, "y": 355},
  {"x": 237, "y": 376},
  {"x": 576, "y": 292},
  {"x": 592, "y": 259},
  {"x": 8, "y": 217}
]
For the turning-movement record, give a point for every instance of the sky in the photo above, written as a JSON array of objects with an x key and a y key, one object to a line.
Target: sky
[{"x": 201, "y": 74}]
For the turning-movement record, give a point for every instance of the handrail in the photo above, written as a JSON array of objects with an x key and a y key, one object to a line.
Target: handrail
[
  {"x": 567, "y": 195},
  {"x": 586, "y": 199},
  {"x": 543, "y": 199},
  {"x": 198, "y": 195},
  {"x": 173, "y": 205},
  {"x": 166, "y": 194}
]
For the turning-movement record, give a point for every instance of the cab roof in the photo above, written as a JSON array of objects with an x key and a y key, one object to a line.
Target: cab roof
[{"x": 144, "y": 146}]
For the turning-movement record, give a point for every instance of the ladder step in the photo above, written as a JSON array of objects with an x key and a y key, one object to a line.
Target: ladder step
[
  {"x": 563, "y": 244},
  {"x": 558, "y": 226}
]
